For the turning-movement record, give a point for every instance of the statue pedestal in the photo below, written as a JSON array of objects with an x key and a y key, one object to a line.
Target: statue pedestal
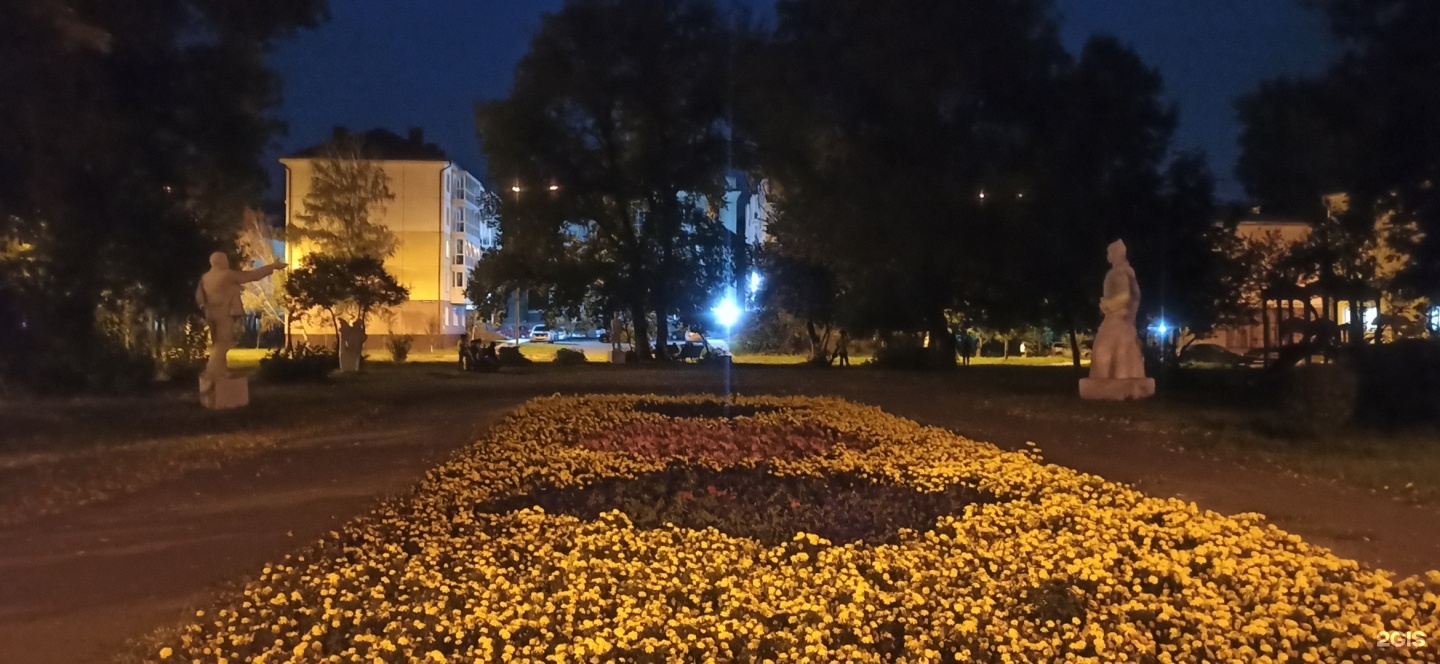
[
  {"x": 617, "y": 356},
  {"x": 225, "y": 393},
  {"x": 1116, "y": 389}
]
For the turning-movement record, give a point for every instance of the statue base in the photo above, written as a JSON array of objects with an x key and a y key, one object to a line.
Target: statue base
[
  {"x": 1116, "y": 389},
  {"x": 617, "y": 357},
  {"x": 225, "y": 393}
]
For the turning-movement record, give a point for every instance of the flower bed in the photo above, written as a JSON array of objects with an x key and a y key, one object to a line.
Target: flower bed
[{"x": 1000, "y": 558}]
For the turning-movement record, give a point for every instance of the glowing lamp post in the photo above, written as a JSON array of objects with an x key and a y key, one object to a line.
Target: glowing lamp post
[{"x": 727, "y": 313}]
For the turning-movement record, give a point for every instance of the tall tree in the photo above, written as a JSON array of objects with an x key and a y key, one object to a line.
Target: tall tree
[
  {"x": 347, "y": 190},
  {"x": 130, "y": 143},
  {"x": 884, "y": 123},
  {"x": 348, "y": 290},
  {"x": 1368, "y": 127},
  {"x": 620, "y": 104}
]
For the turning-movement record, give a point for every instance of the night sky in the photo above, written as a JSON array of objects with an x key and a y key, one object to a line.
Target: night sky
[{"x": 403, "y": 63}]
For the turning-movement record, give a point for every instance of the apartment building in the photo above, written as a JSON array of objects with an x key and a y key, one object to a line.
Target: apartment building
[{"x": 440, "y": 216}]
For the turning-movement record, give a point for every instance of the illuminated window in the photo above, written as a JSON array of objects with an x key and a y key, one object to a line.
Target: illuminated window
[{"x": 1370, "y": 314}]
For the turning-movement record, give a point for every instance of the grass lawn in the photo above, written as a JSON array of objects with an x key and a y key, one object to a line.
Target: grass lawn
[{"x": 58, "y": 454}]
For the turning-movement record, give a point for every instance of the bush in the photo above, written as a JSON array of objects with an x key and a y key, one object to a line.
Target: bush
[
  {"x": 569, "y": 356},
  {"x": 117, "y": 369},
  {"x": 1317, "y": 400},
  {"x": 399, "y": 345},
  {"x": 901, "y": 355},
  {"x": 1399, "y": 384},
  {"x": 510, "y": 357},
  {"x": 301, "y": 363}
]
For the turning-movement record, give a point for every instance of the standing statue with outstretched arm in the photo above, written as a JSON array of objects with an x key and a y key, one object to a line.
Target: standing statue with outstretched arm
[
  {"x": 218, "y": 295},
  {"x": 1117, "y": 367}
]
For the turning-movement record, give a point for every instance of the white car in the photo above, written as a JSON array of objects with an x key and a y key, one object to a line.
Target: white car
[{"x": 543, "y": 334}]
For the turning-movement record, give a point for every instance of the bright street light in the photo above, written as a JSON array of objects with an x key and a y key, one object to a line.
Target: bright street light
[
  {"x": 554, "y": 187},
  {"x": 754, "y": 282},
  {"x": 727, "y": 313}
]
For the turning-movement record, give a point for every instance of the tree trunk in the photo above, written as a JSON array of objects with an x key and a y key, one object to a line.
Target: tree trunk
[
  {"x": 352, "y": 345},
  {"x": 817, "y": 348},
  {"x": 1074, "y": 347},
  {"x": 641, "y": 343},
  {"x": 942, "y": 343},
  {"x": 662, "y": 334}
]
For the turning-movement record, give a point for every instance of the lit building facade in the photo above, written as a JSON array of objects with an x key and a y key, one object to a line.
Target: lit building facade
[{"x": 441, "y": 217}]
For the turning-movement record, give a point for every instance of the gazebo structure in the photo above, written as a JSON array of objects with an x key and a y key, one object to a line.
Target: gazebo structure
[{"x": 1311, "y": 319}]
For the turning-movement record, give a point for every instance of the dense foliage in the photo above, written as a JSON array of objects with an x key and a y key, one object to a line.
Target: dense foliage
[
  {"x": 1368, "y": 127},
  {"x": 298, "y": 363},
  {"x": 949, "y": 164},
  {"x": 615, "y": 124},
  {"x": 130, "y": 146}
]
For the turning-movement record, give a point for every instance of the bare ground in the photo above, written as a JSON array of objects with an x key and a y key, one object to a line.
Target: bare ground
[{"x": 79, "y": 583}]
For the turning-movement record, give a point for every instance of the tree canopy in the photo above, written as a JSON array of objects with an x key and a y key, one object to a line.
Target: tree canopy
[
  {"x": 130, "y": 144},
  {"x": 945, "y": 158},
  {"x": 346, "y": 190},
  {"x": 1368, "y": 127},
  {"x": 619, "y": 105}
]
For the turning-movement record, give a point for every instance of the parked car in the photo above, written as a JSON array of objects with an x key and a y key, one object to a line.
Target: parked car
[
  {"x": 1211, "y": 354},
  {"x": 543, "y": 334}
]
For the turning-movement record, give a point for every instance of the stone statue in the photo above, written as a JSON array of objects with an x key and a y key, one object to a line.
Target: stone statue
[
  {"x": 218, "y": 296},
  {"x": 1117, "y": 368}
]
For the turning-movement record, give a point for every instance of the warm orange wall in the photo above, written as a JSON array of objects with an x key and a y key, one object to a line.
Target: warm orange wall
[{"x": 418, "y": 215}]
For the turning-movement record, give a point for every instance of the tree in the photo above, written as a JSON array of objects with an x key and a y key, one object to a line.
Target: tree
[
  {"x": 804, "y": 290},
  {"x": 884, "y": 123},
  {"x": 130, "y": 143},
  {"x": 619, "y": 104},
  {"x": 1369, "y": 127},
  {"x": 266, "y": 297},
  {"x": 1105, "y": 171},
  {"x": 349, "y": 291},
  {"x": 346, "y": 190}
]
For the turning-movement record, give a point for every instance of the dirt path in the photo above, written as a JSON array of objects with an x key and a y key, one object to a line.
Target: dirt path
[{"x": 78, "y": 585}]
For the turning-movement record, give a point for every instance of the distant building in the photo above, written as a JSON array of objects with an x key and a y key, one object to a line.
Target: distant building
[
  {"x": 439, "y": 215},
  {"x": 1243, "y": 338}
]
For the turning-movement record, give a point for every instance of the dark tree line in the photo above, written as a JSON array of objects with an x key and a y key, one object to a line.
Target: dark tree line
[
  {"x": 935, "y": 160},
  {"x": 1367, "y": 128},
  {"x": 130, "y": 144}
]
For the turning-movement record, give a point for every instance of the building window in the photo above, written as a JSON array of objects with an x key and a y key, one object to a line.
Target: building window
[
  {"x": 459, "y": 252},
  {"x": 459, "y": 279}
]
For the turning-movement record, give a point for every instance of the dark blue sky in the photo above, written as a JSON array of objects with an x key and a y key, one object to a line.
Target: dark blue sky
[{"x": 404, "y": 63}]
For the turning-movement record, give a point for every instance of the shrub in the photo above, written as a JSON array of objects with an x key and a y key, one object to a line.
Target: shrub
[
  {"x": 510, "y": 357},
  {"x": 399, "y": 345},
  {"x": 569, "y": 356},
  {"x": 301, "y": 363},
  {"x": 1317, "y": 400},
  {"x": 1399, "y": 384},
  {"x": 901, "y": 355}
]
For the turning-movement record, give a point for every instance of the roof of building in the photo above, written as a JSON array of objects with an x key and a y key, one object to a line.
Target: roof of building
[{"x": 380, "y": 144}]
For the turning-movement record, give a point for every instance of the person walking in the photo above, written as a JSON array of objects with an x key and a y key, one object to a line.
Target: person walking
[
  {"x": 967, "y": 348},
  {"x": 842, "y": 349}
]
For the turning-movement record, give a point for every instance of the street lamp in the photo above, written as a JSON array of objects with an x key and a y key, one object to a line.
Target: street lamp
[{"x": 727, "y": 313}]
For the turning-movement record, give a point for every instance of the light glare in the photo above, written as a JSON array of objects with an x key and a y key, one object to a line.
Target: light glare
[{"x": 727, "y": 313}]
